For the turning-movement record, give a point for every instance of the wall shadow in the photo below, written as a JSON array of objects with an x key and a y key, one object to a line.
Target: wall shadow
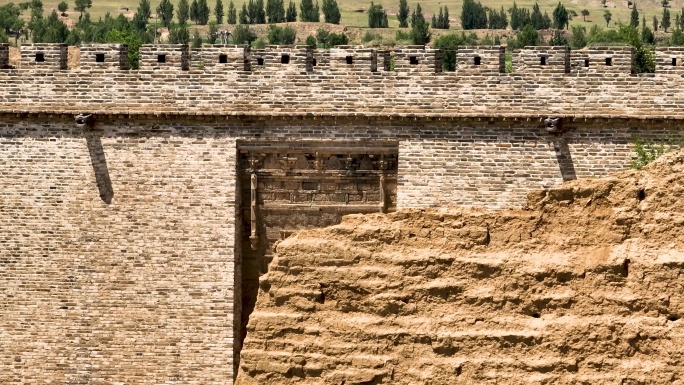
[
  {"x": 99, "y": 162},
  {"x": 564, "y": 157}
]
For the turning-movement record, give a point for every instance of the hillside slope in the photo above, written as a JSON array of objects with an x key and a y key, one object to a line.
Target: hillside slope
[{"x": 583, "y": 286}]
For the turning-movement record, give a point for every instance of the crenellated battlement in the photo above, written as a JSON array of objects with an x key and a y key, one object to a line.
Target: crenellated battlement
[
  {"x": 44, "y": 56},
  {"x": 407, "y": 59},
  {"x": 345, "y": 80}
]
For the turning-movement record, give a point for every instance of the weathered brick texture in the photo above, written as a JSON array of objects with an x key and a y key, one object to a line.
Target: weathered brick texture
[
  {"x": 173, "y": 57},
  {"x": 104, "y": 57},
  {"x": 543, "y": 60},
  {"x": 138, "y": 290},
  {"x": 44, "y": 56},
  {"x": 600, "y": 83},
  {"x": 121, "y": 246}
]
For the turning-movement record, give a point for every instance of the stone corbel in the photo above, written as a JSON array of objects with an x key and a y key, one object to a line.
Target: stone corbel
[
  {"x": 553, "y": 125},
  {"x": 349, "y": 164},
  {"x": 288, "y": 162},
  {"x": 382, "y": 163},
  {"x": 84, "y": 120},
  {"x": 319, "y": 162},
  {"x": 255, "y": 161}
]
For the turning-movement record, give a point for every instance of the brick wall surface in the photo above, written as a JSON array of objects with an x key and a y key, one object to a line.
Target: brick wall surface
[
  {"x": 50, "y": 57},
  {"x": 104, "y": 57},
  {"x": 137, "y": 290},
  {"x": 298, "y": 87}
]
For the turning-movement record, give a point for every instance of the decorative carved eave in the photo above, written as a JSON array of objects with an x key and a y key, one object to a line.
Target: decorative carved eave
[{"x": 332, "y": 118}]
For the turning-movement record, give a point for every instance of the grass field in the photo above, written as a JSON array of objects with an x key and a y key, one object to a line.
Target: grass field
[{"x": 353, "y": 18}]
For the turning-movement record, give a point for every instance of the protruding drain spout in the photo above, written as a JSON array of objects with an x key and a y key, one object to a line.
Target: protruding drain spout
[
  {"x": 553, "y": 125},
  {"x": 83, "y": 120}
]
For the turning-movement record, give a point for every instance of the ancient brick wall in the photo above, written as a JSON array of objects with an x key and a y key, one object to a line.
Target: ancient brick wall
[
  {"x": 116, "y": 254},
  {"x": 347, "y": 81},
  {"x": 125, "y": 241},
  {"x": 120, "y": 247}
]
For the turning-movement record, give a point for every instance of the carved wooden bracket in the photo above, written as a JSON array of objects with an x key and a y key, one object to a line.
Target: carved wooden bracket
[
  {"x": 254, "y": 237},
  {"x": 288, "y": 162},
  {"x": 319, "y": 162},
  {"x": 383, "y": 195},
  {"x": 255, "y": 161}
]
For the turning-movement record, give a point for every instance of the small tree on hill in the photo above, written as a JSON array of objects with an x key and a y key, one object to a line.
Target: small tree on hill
[
  {"x": 260, "y": 13},
  {"x": 585, "y": 13},
  {"x": 441, "y": 21},
  {"x": 203, "y": 12},
  {"x": 275, "y": 11},
  {"x": 579, "y": 37},
  {"x": 331, "y": 12},
  {"x": 560, "y": 17},
  {"x": 218, "y": 12},
  {"x": 329, "y": 39},
  {"x": 291, "y": 14},
  {"x": 607, "y": 16},
  {"x": 165, "y": 13},
  {"x": 420, "y": 29},
  {"x": 308, "y": 12},
  {"x": 473, "y": 15},
  {"x": 140, "y": 19},
  {"x": 194, "y": 11},
  {"x": 212, "y": 33},
  {"x": 497, "y": 20},
  {"x": 655, "y": 23},
  {"x": 520, "y": 17},
  {"x": 403, "y": 14},
  {"x": 377, "y": 17},
  {"x": 278, "y": 35},
  {"x": 243, "y": 35},
  {"x": 183, "y": 13},
  {"x": 528, "y": 36},
  {"x": 10, "y": 19},
  {"x": 244, "y": 14},
  {"x": 232, "y": 13},
  {"x": 62, "y": 7},
  {"x": 665, "y": 20},
  {"x": 179, "y": 35},
  {"x": 634, "y": 17},
  {"x": 81, "y": 6}
]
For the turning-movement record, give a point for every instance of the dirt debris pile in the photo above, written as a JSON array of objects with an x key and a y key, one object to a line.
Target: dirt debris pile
[{"x": 583, "y": 286}]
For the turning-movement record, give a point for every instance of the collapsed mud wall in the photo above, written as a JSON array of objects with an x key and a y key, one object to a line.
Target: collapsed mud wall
[{"x": 582, "y": 286}]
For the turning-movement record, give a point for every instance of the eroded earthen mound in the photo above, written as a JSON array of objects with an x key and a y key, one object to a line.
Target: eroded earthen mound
[{"x": 582, "y": 286}]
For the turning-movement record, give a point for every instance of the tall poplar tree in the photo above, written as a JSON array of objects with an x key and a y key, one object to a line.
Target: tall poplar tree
[
  {"x": 218, "y": 12},
  {"x": 420, "y": 29},
  {"x": 232, "y": 13},
  {"x": 291, "y": 14},
  {"x": 183, "y": 13},
  {"x": 331, "y": 12},
  {"x": 403, "y": 14},
  {"x": 309, "y": 12},
  {"x": 634, "y": 17},
  {"x": 165, "y": 12}
]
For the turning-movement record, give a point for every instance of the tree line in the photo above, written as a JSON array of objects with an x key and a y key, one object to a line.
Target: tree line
[{"x": 476, "y": 16}]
